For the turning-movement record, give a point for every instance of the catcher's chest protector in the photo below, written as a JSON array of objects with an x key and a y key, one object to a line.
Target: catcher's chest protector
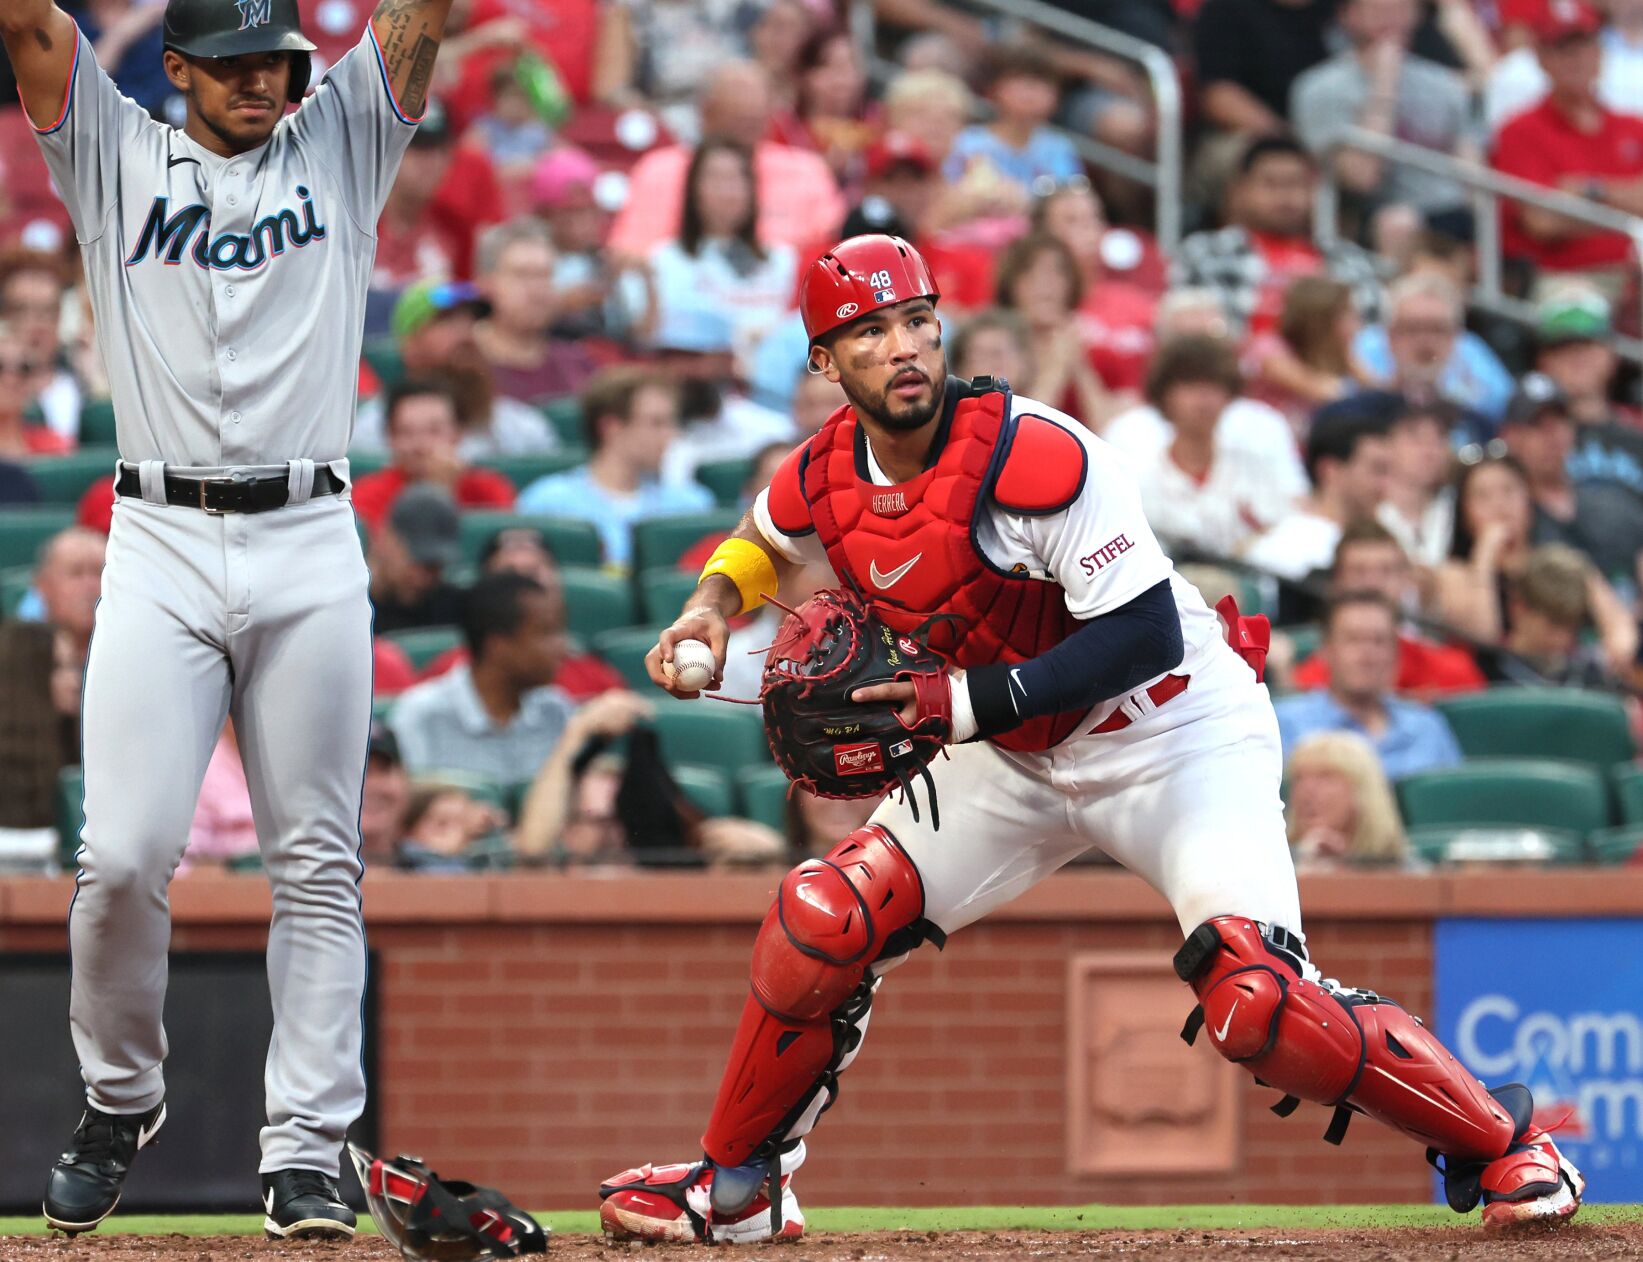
[{"x": 911, "y": 548}]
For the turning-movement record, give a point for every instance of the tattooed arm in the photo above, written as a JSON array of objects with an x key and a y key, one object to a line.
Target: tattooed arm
[
  {"x": 40, "y": 41},
  {"x": 408, "y": 32}
]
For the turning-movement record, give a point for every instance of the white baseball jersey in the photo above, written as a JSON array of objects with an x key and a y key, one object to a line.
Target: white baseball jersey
[
  {"x": 1100, "y": 548},
  {"x": 230, "y": 292}
]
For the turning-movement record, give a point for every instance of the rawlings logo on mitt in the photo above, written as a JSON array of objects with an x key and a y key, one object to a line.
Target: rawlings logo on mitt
[{"x": 830, "y": 744}]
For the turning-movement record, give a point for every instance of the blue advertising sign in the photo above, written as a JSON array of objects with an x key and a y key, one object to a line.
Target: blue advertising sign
[{"x": 1557, "y": 1005}]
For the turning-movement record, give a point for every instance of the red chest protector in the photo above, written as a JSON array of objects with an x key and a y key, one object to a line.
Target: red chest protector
[{"x": 911, "y": 548}]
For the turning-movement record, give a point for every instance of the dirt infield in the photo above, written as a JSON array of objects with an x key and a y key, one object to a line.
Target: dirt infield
[{"x": 1451, "y": 1244}]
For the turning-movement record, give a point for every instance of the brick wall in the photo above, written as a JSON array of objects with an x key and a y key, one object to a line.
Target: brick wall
[{"x": 540, "y": 1033}]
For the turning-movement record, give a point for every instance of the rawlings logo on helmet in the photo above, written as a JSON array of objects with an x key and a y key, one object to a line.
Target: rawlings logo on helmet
[
  {"x": 858, "y": 760},
  {"x": 846, "y": 311}
]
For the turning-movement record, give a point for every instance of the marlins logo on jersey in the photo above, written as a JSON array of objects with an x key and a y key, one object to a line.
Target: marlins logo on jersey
[{"x": 253, "y": 13}]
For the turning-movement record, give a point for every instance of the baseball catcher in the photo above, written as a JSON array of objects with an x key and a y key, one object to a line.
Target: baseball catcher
[{"x": 1089, "y": 698}]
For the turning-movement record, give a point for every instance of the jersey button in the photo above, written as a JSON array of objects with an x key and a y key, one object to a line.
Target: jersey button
[
  {"x": 231, "y": 354},
  {"x": 232, "y": 200},
  {"x": 234, "y": 416},
  {"x": 230, "y": 291}
]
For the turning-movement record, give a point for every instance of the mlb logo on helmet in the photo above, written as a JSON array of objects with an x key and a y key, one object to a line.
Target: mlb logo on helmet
[
  {"x": 858, "y": 760},
  {"x": 884, "y": 295},
  {"x": 253, "y": 13}
]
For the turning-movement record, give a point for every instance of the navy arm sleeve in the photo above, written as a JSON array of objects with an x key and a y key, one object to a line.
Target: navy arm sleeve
[{"x": 1107, "y": 657}]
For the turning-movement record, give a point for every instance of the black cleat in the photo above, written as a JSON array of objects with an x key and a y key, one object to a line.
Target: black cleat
[
  {"x": 85, "y": 1183},
  {"x": 304, "y": 1205}
]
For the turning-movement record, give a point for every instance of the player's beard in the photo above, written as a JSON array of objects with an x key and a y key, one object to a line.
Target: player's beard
[{"x": 896, "y": 414}]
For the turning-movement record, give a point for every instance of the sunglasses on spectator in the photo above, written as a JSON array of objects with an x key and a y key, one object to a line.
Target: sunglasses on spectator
[
  {"x": 22, "y": 367},
  {"x": 1048, "y": 186},
  {"x": 1477, "y": 453}
]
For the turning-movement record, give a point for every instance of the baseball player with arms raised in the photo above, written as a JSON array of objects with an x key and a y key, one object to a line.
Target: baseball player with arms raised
[
  {"x": 227, "y": 264},
  {"x": 1092, "y": 700}
]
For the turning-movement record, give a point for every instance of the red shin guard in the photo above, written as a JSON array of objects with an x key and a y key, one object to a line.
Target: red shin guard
[
  {"x": 832, "y": 919},
  {"x": 1323, "y": 1043}
]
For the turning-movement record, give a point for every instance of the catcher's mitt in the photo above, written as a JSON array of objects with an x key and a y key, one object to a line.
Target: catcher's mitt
[
  {"x": 429, "y": 1219},
  {"x": 830, "y": 744}
]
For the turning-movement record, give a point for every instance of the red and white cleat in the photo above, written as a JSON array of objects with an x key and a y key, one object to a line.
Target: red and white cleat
[
  {"x": 1533, "y": 1182},
  {"x": 675, "y": 1203}
]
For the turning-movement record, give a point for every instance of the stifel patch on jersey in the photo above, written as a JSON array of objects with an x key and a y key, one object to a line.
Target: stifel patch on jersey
[{"x": 858, "y": 760}]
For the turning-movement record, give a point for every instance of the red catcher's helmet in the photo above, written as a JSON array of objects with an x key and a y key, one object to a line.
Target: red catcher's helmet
[{"x": 859, "y": 275}]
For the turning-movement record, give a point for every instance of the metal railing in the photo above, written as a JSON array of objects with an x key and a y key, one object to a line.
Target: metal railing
[
  {"x": 1488, "y": 188},
  {"x": 1162, "y": 173}
]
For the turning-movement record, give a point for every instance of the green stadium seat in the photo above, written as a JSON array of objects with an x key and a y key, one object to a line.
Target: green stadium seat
[
  {"x": 708, "y": 787},
  {"x": 1627, "y": 779},
  {"x": 362, "y": 462},
  {"x": 522, "y": 470},
  {"x": 572, "y": 542},
  {"x": 1305, "y": 638},
  {"x": 725, "y": 478},
  {"x": 764, "y": 795},
  {"x": 1507, "y": 792},
  {"x": 663, "y": 540},
  {"x": 625, "y": 649},
  {"x": 382, "y": 707},
  {"x": 565, "y": 415},
  {"x": 1508, "y": 722},
  {"x": 663, "y": 592},
  {"x": 245, "y": 863},
  {"x": 14, "y": 585},
  {"x": 1615, "y": 845},
  {"x": 423, "y": 644},
  {"x": 64, "y": 479},
  {"x": 71, "y": 815},
  {"x": 96, "y": 423},
  {"x": 1449, "y": 844},
  {"x": 24, "y": 530},
  {"x": 712, "y": 733},
  {"x": 597, "y": 601},
  {"x": 382, "y": 354}
]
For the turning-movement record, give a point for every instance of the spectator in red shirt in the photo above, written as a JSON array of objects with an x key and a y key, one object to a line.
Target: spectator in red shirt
[
  {"x": 1039, "y": 278},
  {"x": 444, "y": 194},
  {"x": 1115, "y": 319},
  {"x": 423, "y": 432},
  {"x": 1368, "y": 558},
  {"x": 1572, "y": 142}
]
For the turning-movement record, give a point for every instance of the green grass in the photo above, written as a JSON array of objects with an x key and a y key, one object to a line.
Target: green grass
[{"x": 976, "y": 1218}]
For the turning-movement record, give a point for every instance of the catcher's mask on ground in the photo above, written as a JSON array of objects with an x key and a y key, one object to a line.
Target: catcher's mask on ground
[{"x": 440, "y": 1220}]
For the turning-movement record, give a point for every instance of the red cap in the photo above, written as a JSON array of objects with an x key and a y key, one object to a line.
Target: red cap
[
  {"x": 1559, "y": 19},
  {"x": 860, "y": 275},
  {"x": 898, "y": 148}
]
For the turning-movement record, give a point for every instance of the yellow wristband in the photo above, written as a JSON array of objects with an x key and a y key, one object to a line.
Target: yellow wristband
[{"x": 748, "y": 566}]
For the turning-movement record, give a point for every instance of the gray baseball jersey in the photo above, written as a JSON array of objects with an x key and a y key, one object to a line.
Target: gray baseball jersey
[
  {"x": 229, "y": 295},
  {"x": 230, "y": 292}
]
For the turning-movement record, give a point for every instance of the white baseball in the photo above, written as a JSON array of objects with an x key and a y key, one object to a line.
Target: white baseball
[{"x": 692, "y": 665}]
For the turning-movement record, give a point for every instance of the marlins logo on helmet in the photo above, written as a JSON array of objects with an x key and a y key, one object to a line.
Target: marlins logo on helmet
[{"x": 253, "y": 13}]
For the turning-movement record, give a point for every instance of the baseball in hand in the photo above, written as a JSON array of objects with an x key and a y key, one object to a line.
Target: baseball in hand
[{"x": 692, "y": 665}]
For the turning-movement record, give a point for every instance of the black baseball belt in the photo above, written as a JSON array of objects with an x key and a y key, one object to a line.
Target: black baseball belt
[{"x": 237, "y": 494}]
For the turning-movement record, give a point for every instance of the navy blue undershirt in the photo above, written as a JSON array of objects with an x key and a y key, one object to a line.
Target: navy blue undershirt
[{"x": 1106, "y": 657}]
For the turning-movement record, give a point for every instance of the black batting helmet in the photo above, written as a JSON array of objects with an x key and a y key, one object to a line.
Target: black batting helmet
[{"x": 227, "y": 28}]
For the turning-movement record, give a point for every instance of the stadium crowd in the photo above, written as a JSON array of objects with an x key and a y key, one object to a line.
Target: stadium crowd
[{"x": 583, "y": 358}]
